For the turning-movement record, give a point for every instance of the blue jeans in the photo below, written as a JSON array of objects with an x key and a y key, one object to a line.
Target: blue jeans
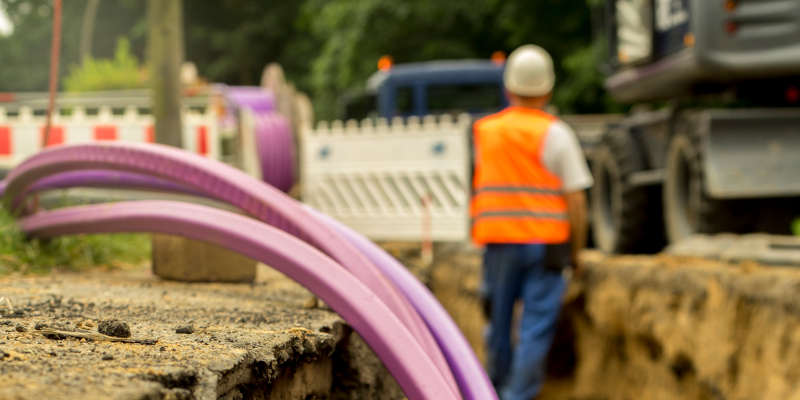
[{"x": 511, "y": 272}]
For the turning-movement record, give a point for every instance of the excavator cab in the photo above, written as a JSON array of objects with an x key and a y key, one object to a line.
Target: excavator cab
[{"x": 659, "y": 49}]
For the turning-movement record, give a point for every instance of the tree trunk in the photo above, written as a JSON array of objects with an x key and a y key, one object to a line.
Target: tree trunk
[
  {"x": 165, "y": 53},
  {"x": 87, "y": 30}
]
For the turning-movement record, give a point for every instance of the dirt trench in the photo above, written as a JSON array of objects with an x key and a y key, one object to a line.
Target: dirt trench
[
  {"x": 686, "y": 328},
  {"x": 656, "y": 327}
]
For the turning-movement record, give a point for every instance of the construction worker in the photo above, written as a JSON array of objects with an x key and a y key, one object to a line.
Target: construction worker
[{"x": 529, "y": 211}]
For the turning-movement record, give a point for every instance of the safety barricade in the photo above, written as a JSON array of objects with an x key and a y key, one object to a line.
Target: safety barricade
[
  {"x": 391, "y": 181},
  {"x": 21, "y": 135}
]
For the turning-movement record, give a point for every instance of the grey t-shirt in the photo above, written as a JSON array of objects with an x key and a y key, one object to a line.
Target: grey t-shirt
[{"x": 563, "y": 156}]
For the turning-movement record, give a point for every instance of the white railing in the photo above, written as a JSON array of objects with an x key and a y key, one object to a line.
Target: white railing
[
  {"x": 374, "y": 176},
  {"x": 21, "y": 134}
]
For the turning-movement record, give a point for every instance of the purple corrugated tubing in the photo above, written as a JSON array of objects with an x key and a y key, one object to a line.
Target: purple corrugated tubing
[
  {"x": 257, "y": 99},
  {"x": 106, "y": 179},
  {"x": 275, "y": 150},
  {"x": 229, "y": 185},
  {"x": 357, "y": 304},
  {"x": 469, "y": 374},
  {"x": 273, "y": 134}
]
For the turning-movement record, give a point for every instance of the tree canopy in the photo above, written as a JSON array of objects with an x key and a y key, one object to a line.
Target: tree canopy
[{"x": 325, "y": 46}]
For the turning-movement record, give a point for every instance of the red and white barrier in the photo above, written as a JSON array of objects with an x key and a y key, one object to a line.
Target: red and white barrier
[{"x": 21, "y": 135}]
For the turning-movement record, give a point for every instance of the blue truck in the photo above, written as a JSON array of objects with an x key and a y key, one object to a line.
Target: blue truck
[{"x": 428, "y": 88}]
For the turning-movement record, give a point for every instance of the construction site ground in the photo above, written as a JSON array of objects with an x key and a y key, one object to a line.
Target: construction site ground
[
  {"x": 637, "y": 327},
  {"x": 661, "y": 327},
  {"x": 263, "y": 340}
]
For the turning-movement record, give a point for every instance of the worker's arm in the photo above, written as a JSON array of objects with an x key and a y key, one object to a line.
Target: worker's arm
[{"x": 576, "y": 209}]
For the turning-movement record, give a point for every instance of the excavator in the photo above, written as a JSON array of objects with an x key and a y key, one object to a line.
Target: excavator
[{"x": 712, "y": 142}]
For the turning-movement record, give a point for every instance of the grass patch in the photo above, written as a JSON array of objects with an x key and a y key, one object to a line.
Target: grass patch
[{"x": 74, "y": 252}]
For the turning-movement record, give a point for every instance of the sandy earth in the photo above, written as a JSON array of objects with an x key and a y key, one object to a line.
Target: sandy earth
[
  {"x": 667, "y": 327},
  {"x": 657, "y": 327}
]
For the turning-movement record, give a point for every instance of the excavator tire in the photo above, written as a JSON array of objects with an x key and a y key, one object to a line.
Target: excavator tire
[
  {"x": 625, "y": 218},
  {"x": 688, "y": 209}
]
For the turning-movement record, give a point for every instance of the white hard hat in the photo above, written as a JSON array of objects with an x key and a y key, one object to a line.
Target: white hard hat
[{"x": 529, "y": 72}]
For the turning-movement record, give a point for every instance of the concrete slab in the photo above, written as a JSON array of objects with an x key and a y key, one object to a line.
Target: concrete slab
[
  {"x": 188, "y": 260},
  {"x": 253, "y": 340}
]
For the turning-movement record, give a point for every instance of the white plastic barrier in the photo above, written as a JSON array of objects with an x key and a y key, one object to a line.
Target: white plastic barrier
[
  {"x": 21, "y": 135},
  {"x": 374, "y": 177}
]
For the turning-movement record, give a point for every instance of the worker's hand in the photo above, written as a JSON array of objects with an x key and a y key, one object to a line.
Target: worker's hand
[{"x": 578, "y": 270}]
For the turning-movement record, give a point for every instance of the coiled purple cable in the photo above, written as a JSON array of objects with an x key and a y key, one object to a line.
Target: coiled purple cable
[
  {"x": 255, "y": 98},
  {"x": 273, "y": 133},
  {"x": 275, "y": 150}
]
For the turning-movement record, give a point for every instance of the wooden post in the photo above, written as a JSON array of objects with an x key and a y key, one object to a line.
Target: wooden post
[
  {"x": 175, "y": 257},
  {"x": 165, "y": 53}
]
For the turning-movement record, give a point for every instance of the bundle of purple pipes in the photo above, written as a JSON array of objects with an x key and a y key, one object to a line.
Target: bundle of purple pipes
[{"x": 395, "y": 313}]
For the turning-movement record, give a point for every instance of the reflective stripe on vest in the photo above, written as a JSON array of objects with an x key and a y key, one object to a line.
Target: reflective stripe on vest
[{"x": 516, "y": 199}]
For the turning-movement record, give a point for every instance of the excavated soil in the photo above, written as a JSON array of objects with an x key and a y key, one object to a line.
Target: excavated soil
[
  {"x": 687, "y": 328},
  {"x": 637, "y": 327},
  {"x": 249, "y": 341},
  {"x": 656, "y": 327}
]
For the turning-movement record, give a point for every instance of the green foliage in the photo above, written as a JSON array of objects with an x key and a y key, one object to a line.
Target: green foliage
[
  {"x": 325, "y": 46},
  {"x": 582, "y": 89},
  {"x": 232, "y": 41},
  {"x": 353, "y": 34},
  {"x": 71, "y": 252},
  {"x": 25, "y": 54},
  {"x": 122, "y": 72},
  {"x": 796, "y": 226}
]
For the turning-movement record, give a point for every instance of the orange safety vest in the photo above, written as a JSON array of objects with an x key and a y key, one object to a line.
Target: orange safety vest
[{"x": 516, "y": 199}]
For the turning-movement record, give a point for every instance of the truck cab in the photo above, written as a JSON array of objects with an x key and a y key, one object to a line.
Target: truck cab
[{"x": 428, "y": 88}]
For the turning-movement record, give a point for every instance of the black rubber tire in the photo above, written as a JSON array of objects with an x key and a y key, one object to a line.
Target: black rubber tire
[
  {"x": 625, "y": 218},
  {"x": 688, "y": 210}
]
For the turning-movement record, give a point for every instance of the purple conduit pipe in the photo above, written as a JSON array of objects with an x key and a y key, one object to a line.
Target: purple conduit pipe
[
  {"x": 408, "y": 362},
  {"x": 467, "y": 369},
  {"x": 273, "y": 132},
  {"x": 275, "y": 150},
  {"x": 255, "y": 98},
  {"x": 230, "y": 185},
  {"x": 106, "y": 179}
]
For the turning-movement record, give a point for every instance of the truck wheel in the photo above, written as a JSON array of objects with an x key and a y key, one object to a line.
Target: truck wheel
[
  {"x": 687, "y": 208},
  {"x": 625, "y": 218}
]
